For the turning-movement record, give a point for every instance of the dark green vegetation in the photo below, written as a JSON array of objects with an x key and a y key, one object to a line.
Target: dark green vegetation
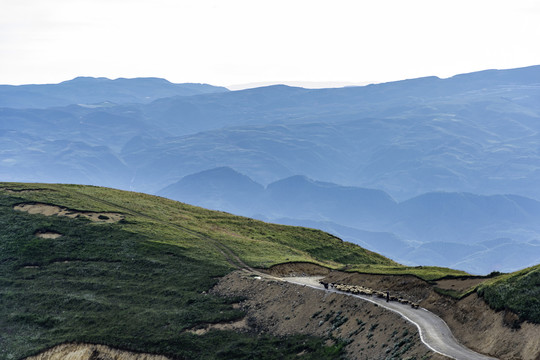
[
  {"x": 140, "y": 283},
  {"x": 518, "y": 292}
]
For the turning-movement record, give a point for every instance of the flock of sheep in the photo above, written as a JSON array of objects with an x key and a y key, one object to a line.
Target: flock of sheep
[{"x": 361, "y": 290}]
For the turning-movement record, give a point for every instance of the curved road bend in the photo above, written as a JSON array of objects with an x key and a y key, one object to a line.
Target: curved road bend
[{"x": 434, "y": 332}]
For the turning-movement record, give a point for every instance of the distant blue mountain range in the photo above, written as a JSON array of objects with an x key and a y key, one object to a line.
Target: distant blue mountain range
[
  {"x": 424, "y": 166},
  {"x": 446, "y": 229}
]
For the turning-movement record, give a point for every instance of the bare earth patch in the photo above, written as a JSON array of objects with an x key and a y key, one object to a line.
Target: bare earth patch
[
  {"x": 50, "y": 210},
  {"x": 480, "y": 328},
  {"x": 296, "y": 269},
  {"x": 459, "y": 285},
  {"x": 406, "y": 286},
  {"x": 91, "y": 352},
  {"x": 22, "y": 191},
  {"x": 47, "y": 234},
  {"x": 240, "y": 325}
]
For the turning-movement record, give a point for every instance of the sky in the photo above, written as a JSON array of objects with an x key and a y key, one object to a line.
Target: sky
[{"x": 230, "y": 42}]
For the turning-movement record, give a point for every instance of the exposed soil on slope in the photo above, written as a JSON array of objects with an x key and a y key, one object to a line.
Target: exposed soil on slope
[
  {"x": 240, "y": 325},
  {"x": 297, "y": 269},
  {"x": 282, "y": 308},
  {"x": 91, "y": 352},
  {"x": 406, "y": 286},
  {"x": 484, "y": 330},
  {"x": 473, "y": 323},
  {"x": 460, "y": 285},
  {"x": 50, "y": 210},
  {"x": 21, "y": 191}
]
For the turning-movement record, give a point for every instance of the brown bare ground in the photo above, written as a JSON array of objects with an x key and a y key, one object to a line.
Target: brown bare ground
[
  {"x": 50, "y": 210},
  {"x": 296, "y": 269},
  {"x": 459, "y": 285},
  {"x": 281, "y": 308},
  {"x": 406, "y": 286},
  {"x": 480, "y": 328},
  {"x": 91, "y": 352}
]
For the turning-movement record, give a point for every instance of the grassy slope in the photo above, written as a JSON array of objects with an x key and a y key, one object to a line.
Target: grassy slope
[
  {"x": 518, "y": 291},
  {"x": 428, "y": 273},
  {"x": 141, "y": 283}
]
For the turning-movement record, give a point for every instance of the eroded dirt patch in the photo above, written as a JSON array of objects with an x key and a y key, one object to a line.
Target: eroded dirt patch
[
  {"x": 297, "y": 269},
  {"x": 91, "y": 352},
  {"x": 20, "y": 191},
  {"x": 50, "y": 210},
  {"x": 460, "y": 284},
  {"x": 47, "y": 234}
]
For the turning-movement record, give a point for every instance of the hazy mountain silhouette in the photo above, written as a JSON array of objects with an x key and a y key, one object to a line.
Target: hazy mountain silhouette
[
  {"x": 446, "y": 229},
  {"x": 468, "y": 94},
  {"x": 220, "y": 189},
  {"x": 463, "y": 217},
  {"x": 301, "y": 198},
  {"x": 89, "y": 90}
]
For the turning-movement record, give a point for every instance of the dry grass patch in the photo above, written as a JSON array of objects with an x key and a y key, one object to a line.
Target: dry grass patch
[
  {"x": 240, "y": 325},
  {"x": 91, "y": 352}
]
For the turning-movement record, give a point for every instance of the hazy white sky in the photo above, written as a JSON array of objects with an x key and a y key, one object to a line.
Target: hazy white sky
[{"x": 226, "y": 42}]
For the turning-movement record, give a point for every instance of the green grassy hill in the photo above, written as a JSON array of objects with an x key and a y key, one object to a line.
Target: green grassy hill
[
  {"x": 518, "y": 292},
  {"x": 139, "y": 283}
]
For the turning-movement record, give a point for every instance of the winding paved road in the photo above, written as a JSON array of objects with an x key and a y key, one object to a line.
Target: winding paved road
[{"x": 434, "y": 332}]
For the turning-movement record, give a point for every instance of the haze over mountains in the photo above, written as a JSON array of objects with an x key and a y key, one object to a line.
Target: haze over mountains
[
  {"x": 461, "y": 230},
  {"x": 89, "y": 90},
  {"x": 426, "y": 171}
]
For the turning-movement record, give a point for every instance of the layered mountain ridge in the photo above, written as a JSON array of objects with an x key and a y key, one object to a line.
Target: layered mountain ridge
[
  {"x": 91, "y": 92},
  {"x": 448, "y": 151},
  {"x": 476, "y": 233}
]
